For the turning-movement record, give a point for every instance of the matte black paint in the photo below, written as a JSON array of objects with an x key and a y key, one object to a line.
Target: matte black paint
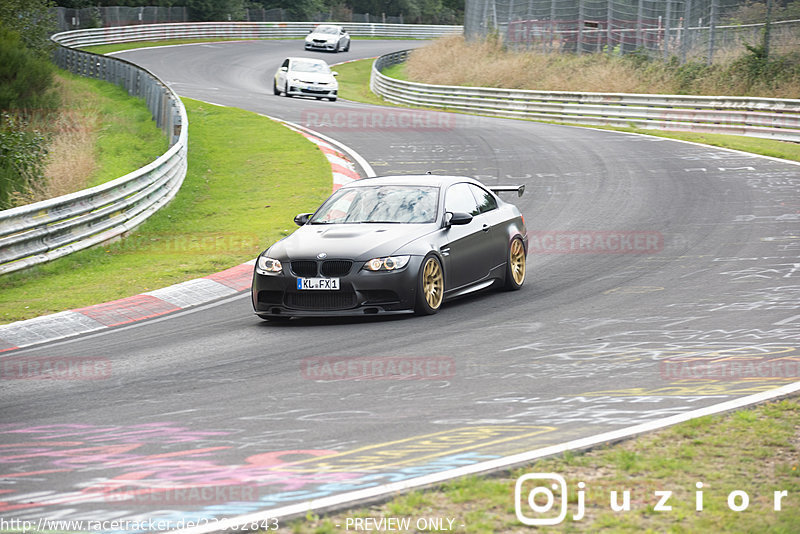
[{"x": 471, "y": 254}]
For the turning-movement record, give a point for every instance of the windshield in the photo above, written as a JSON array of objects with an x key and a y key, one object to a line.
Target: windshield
[
  {"x": 310, "y": 66},
  {"x": 379, "y": 204},
  {"x": 331, "y": 30}
]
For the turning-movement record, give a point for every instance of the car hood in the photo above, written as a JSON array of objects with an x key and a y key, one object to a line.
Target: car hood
[
  {"x": 327, "y": 37},
  {"x": 313, "y": 77},
  {"x": 348, "y": 241}
]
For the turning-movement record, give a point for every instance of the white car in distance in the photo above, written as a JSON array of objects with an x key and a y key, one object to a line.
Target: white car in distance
[
  {"x": 302, "y": 76},
  {"x": 327, "y": 37}
]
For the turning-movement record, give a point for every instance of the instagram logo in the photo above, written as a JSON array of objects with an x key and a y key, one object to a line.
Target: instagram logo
[{"x": 535, "y": 505}]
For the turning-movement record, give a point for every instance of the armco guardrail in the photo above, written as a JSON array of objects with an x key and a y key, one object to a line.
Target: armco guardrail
[
  {"x": 757, "y": 117},
  {"x": 246, "y": 30},
  {"x": 46, "y": 230}
]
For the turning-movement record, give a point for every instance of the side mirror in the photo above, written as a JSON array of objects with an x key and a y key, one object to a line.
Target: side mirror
[
  {"x": 302, "y": 219},
  {"x": 457, "y": 218},
  {"x": 284, "y": 69},
  {"x": 334, "y": 73}
]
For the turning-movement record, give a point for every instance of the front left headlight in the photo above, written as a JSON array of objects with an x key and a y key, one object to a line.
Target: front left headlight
[
  {"x": 267, "y": 265},
  {"x": 389, "y": 263}
]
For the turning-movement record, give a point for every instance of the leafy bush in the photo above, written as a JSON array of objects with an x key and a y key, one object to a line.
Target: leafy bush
[
  {"x": 22, "y": 158},
  {"x": 761, "y": 70},
  {"x": 33, "y": 20},
  {"x": 687, "y": 75},
  {"x": 26, "y": 80},
  {"x": 756, "y": 12},
  {"x": 26, "y": 89}
]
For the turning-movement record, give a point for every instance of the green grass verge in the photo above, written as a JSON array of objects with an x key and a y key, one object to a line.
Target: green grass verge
[
  {"x": 397, "y": 72},
  {"x": 354, "y": 82},
  {"x": 247, "y": 178},
  {"x": 765, "y": 147},
  {"x": 128, "y": 137},
  {"x": 354, "y": 85},
  {"x": 755, "y": 451}
]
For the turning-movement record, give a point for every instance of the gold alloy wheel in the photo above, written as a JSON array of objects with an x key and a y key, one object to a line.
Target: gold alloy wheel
[
  {"x": 433, "y": 283},
  {"x": 517, "y": 261}
]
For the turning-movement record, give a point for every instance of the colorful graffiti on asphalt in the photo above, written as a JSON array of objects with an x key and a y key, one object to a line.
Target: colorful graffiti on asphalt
[{"x": 121, "y": 468}]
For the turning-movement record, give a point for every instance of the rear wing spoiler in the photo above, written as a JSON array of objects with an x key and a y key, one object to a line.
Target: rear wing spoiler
[{"x": 506, "y": 188}]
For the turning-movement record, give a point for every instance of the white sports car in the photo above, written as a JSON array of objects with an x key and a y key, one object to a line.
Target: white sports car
[
  {"x": 326, "y": 37},
  {"x": 302, "y": 76}
]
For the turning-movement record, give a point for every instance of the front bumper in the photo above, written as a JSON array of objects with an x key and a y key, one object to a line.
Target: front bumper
[
  {"x": 299, "y": 90},
  {"x": 320, "y": 46},
  {"x": 361, "y": 293}
]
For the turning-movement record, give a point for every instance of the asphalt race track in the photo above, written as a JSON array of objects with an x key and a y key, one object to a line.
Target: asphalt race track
[{"x": 662, "y": 277}]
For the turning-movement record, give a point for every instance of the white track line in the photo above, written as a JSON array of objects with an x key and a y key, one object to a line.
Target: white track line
[
  {"x": 385, "y": 491},
  {"x": 501, "y": 464},
  {"x": 368, "y": 170}
]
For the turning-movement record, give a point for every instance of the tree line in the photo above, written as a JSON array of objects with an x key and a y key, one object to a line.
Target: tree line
[{"x": 420, "y": 11}]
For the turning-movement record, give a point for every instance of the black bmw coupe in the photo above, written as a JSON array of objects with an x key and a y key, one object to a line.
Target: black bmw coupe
[{"x": 393, "y": 244}]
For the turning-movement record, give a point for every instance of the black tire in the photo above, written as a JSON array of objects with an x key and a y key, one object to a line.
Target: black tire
[
  {"x": 332, "y": 99},
  {"x": 286, "y": 89},
  {"x": 338, "y": 44},
  {"x": 347, "y": 48},
  {"x": 275, "y": 88},
  {"x": 430, "y": 286},
  {"x": 516, "y": 265}
]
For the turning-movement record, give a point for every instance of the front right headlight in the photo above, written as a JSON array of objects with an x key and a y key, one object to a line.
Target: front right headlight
[
  {"x": 389, "y": 263},
  {"x": 267, "y": 265}
]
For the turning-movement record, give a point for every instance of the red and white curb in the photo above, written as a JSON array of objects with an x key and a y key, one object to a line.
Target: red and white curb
[
  {"x": 48, "y": 328},
  {"x": 66, "y": 324},
  {"x": 340, "y": 156},
  {"x": 343, "y": 169}
]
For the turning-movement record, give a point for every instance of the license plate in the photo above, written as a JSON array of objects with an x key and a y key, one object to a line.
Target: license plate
[{"x": 330, "y": 284}]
